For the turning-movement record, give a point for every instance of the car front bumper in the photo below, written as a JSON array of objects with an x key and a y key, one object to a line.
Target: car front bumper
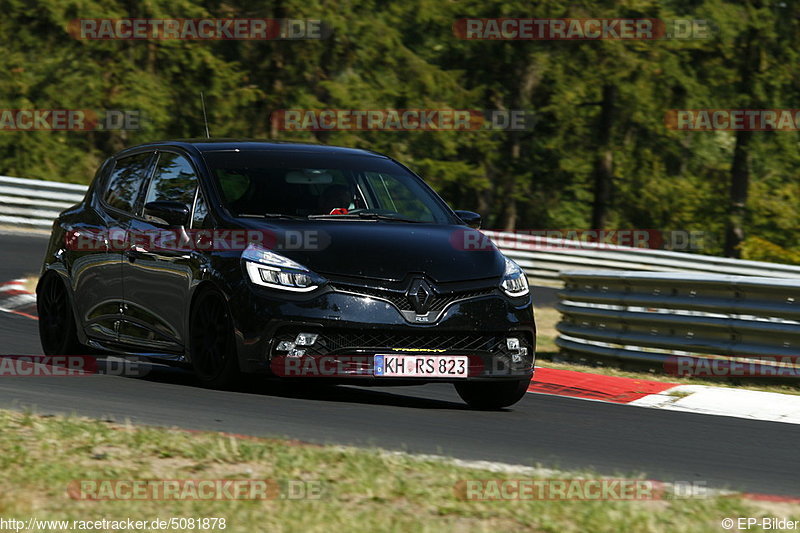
[{"x": 353, "y": 328}]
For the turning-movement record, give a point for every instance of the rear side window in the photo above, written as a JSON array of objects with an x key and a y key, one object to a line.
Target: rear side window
[
  {"x": 173, "y": 180},
  {"x": 126, "y": 181}
]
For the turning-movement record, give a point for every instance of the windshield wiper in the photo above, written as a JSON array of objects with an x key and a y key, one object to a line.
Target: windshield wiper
[
  {"x": 366, "y": 216},
  {"x": 379, "y": 216},
  {"x": 272, "y": 215}
]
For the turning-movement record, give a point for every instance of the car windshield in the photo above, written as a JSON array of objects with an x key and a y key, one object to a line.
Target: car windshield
[{"x": 322, "y": 186}]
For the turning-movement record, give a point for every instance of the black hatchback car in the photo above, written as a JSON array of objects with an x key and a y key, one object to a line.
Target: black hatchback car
[{"x": 293, "y": 260}]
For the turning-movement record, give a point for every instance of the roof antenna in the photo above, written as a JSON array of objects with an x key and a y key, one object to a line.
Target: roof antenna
[{"x": 205, "y": 118}]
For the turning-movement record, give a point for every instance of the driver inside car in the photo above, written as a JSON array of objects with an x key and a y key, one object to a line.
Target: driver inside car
[{"x": 335, "y": 200}]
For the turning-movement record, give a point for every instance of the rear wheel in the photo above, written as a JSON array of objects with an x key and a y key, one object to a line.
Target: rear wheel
[
  {"x": 492, "y": 394},
  {"x": 57, "y": 330},
  {"x": 211, "y": 345}
]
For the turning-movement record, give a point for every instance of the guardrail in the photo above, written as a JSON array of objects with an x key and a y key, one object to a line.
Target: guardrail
[
  {"x": 650, "y": 317},
  {"x": 35, "y": 203}
]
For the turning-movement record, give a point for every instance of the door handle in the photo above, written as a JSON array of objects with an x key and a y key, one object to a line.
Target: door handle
[{"x": 136, "y": 253}]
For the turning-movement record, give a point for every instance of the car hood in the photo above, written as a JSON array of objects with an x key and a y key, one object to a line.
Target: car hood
[{"x": 385, "y": 250}]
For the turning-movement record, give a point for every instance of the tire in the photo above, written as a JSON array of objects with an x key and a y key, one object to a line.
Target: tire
[
  {"x": 492, "y": 394},
  {"x": 58, "y": 332},
  {"x": 211, "y": 343}
]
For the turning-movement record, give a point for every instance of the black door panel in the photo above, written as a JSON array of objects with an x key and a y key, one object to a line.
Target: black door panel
[
  {"x": 157, "y": 286},
  {"x": 158, "y": 277},
  {"x": 96, "y": 274},
  {"x": 95, "y": 250}
]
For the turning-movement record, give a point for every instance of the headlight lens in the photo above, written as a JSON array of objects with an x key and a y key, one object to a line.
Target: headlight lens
[
  {"x": 268, "y": 269},
  {"x": 515, "y": 282}
]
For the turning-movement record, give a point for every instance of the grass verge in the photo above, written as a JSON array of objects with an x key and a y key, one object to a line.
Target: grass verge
[
  {"x": 546, "y": 333},
  {"x": 30, "y": 283},
  {"x": 363, "y": 490}
]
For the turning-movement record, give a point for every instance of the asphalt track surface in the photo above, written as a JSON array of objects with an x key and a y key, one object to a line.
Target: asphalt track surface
[{"x": 551, "y": 431}]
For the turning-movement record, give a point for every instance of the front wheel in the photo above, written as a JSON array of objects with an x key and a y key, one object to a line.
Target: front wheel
[
  {"x": 211, "y": 344},
  {"x": 492, "y": 394}
]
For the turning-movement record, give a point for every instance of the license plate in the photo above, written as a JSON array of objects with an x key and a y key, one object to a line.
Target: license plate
[{"x": 421, "y": 366}]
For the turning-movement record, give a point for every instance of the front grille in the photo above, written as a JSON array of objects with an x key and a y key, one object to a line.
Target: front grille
[
  {"x": 398, "y": 299},
  {"x": 331, "y": 341},
  {"x": 378, "y": 340},
  {"x": 401, "y": 302},
  {"x": 441, "y": 301}
]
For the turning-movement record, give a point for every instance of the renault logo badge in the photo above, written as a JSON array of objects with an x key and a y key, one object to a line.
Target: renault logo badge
[{"x": 420, "y": 295}]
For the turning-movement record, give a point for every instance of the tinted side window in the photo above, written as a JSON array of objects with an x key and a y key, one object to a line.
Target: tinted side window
[
  {"x": 126, "y": 180},
  {"x": 233, "y": 184},
  {"x": 173, "y": 180}
]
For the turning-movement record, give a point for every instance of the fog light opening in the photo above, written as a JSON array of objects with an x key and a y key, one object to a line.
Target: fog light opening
[
  {"x": 305, "y": 339},
  {"x": 517, "y": 351}
]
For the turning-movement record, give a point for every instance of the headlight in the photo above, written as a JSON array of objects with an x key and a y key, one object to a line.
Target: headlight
[
  {"x": 268, "y": 269},
  {"x": 515, "y": 282}
]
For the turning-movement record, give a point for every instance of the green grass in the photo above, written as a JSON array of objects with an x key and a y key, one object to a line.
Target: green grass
[
  {"x": 546, "y": 333},
  {"x": 30, "y": 283},
  {"x": 363, "y": 490}
]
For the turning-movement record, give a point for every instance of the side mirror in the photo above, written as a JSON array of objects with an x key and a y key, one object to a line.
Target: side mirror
[
  {"x": 167, "y": 213},
  {"x": 473, "y": 220}
]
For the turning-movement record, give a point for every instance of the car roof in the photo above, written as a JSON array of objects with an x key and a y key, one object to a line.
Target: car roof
[{"x": 244, "y": 145}]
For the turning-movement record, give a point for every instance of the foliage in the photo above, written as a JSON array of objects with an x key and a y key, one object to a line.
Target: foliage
[
  {"x": 758, "y": 249},
  {"x": 404, "y": 55}
]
